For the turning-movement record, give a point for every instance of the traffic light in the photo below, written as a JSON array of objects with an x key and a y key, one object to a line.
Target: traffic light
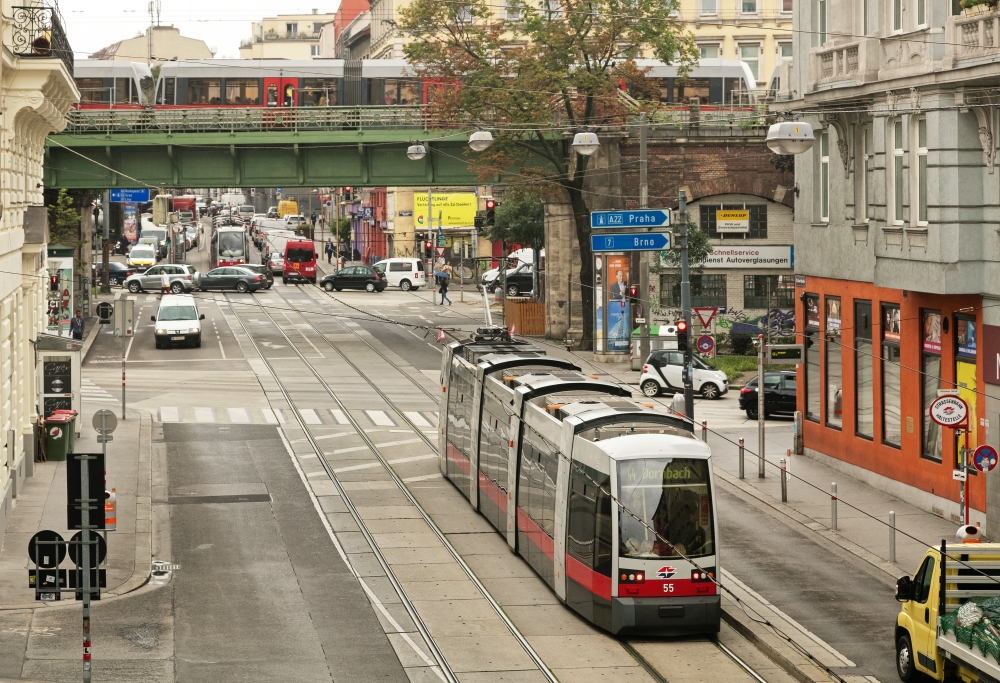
[
  {"x": 480, "y": 219},
  {"x": 428, "y": 248},
  {"x": 633, "y": 292},
  {"x": 53, "y": 283},
  {"x": 491, "y": 210},
  {"x": 682, "y": 335}
]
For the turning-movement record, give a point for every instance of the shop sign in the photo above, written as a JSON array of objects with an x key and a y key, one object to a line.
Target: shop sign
[
  {"x": 750, "y": 257},
  {"x": 991, "y": 354},
  {"x": 932, "y": 331},
  {"x": 965, "y": 331},
  {"x": 732, "y": 221}
]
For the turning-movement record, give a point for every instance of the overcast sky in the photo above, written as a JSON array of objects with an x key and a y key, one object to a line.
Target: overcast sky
[{"x": 93, "y": 24}]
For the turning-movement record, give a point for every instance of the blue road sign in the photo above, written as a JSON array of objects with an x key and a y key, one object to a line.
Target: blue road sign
[
  {"x": 639, "y": 218},
  {"x": 130, "y": 194},
  {"x": 632, "y": 241},
  {"x": 985, "y": 458}
]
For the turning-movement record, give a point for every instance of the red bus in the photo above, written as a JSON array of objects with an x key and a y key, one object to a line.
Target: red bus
[{"x": 229, "y": 246}]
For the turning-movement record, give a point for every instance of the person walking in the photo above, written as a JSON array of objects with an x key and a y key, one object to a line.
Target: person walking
[
  {"x": 329, "y": 251},
  {"x": 445, "y": 280},
  {"x": 164, "y": 284},
  {"x": 76, "y": 325}
]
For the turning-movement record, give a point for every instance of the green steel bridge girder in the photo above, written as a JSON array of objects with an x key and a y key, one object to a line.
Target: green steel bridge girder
[{"x": 253, "y": 159}]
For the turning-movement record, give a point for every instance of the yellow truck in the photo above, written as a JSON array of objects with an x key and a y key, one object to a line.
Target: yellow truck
[
  {"x": 287, "y": 206},
  {"x": 949, "y": 624}
]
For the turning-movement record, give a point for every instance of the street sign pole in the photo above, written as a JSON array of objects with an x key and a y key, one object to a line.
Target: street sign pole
[
  {"x": 761, "y": 352},
  {"x": 85, "y": 555},
  {"x": 644, "y": 263},
  {"x": 686, "y": 307},
  {"x": 105, "y": 249}
]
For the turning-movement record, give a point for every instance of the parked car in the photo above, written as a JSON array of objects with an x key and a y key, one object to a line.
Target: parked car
[
  {"x": 779, "y": 394},
  {"x": 663, "y": 370},
  {"x": 232, "y": 277},
  {"x": 519, "y": 282},
  {"x": 183, "y": 278},
  {"x": 142, "y": 257},
  {"x": 355, "y": 277},
  {"x": 117, "y": 272},
  {"x": 191, "y": 235},
  {"x": 405, "y": 273},
  {"x": 265, "y": 271},
  {"x": 177, "y": 321}
]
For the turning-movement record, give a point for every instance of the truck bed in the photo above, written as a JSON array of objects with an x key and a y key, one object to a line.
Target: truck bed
[{"x": 968, "y": 657}]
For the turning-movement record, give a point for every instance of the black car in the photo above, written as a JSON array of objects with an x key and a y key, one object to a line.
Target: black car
[
  {"x": 117, "y": 272},
  {"x": 264, "y": 271},
  {"x": 355, "y": 277},
  {"x": 518, "y": 281},
  {"x": 779, "y": 395},
  {"x": 232, "y": 277}
]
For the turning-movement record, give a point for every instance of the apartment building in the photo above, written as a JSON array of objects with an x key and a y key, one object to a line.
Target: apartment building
[
  {"x": 286, "y": 36},
  {"x": 896, "y": 240}
]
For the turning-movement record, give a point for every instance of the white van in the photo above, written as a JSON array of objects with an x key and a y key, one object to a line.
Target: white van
[
  {"x": 405, "y": 273},
  {"x": 178, "y": 321}
]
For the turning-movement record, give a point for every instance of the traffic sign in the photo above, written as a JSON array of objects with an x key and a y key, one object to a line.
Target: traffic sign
[
  {"x": 440, "y": 250},
  {"x": 94, "y": 462},
  {"x": 76, "y": 549},
  {"x": 105, "y": 438},
  {"x": 105, "y": 310},
  {"x": 104, "y": 421},
  {"x": 985, "y": 458},
  {"x": 130, "y": 194},
  {"x": 647, "y": 218},
  {"x": 634, "y": 241},
  {"x": 48, "y": 554},
  {"x": 124, "y": 318},
  {"x": 706, "y": 314},
  {"x": 706, "y": 344},
  {"x": 949, "y": 411}
]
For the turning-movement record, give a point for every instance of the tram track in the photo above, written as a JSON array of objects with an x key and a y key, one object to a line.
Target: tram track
[{"x": 377, "y": 452}]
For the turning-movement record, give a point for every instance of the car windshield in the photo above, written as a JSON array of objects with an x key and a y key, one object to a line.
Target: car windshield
[
  {"x": 300, "y": 255},
  {"x": 142, "y": 254},
  {"x": 168, "y": 313},
  {"x": 231, "y": 244},
  {"x": 246, "y": 209},
  {"x": 671, "y": 497},
  {"x": 156, "y": 234}
]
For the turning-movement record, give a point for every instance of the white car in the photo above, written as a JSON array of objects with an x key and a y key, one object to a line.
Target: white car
[
  {"x": 405, "y": 273},
  {"x": 663, "y": 370},
  {"x": 178, "y": 321},
  {"x": 293, "y": 221}
]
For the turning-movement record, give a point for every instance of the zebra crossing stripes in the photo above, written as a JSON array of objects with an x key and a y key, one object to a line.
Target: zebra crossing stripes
[
  {"x": 309, "y": 416},
  {"x": 238, "y": 415},
  {"x": 380, "y": 418},
  {"x": 169, "y": 414},
  {"x": 204, "y": 415},
  {"x": 339, "y": 417},
  {"x": 90, "y": 391},
  {"x": 416, "y": 418},
  {"x": 321, "y": 417}
]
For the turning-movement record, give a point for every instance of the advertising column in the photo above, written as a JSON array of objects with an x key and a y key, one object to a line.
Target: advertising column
[
  {"x": 612, "y": 318},
  {"x": 60, "y": 291}
]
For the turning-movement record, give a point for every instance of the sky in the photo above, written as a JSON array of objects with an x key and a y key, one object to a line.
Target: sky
[{"x": 222, "y": 24}]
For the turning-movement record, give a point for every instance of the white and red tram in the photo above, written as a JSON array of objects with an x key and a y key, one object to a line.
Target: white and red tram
[{"x": 550, "y": 448}]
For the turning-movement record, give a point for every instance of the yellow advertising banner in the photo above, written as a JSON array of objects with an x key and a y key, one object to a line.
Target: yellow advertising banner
[
  {"x": 457, "y": 209},
  {"x": 728, "y": 220}
]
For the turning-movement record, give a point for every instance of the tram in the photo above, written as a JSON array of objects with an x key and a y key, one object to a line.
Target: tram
[
  {"x": 551, "y": 457},
  {"x": 230, "y": 246},
  {"x": 116, "y": 84}
]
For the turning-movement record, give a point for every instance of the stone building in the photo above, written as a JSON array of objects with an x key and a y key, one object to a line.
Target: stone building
[
  {"x": 897, "y": 248},
  {"x": 158, "y": 45},
  {"x": 38, "y": 90}
]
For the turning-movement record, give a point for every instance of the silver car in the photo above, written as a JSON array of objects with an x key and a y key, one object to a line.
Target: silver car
[{"x": 183, "y": 278}]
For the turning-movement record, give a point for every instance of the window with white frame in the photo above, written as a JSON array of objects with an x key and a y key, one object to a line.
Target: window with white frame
[
  {"x": 786, "y": 6},
  {"x": 292, "y": 28},
  {"x": 821, "y": 11},
  {"x": 896, "y": 184},
  {"x": 748, "y": 6},
  {"x": 864, "y": 167},
  {"x": 784, "y": 51},
  {"x": 709, "y": 7},
  {"x": 513, "y": 10},
  {"x": 709, "y": 50},
  {"x": 897, "y": 15},
  {"x": 921, "y": 153},
  {"x": 921, "y": 13},
  {"x": 314, "y": 50},
  {"x": 750, "y": 54},
  {"x": 824, "y": 177}
]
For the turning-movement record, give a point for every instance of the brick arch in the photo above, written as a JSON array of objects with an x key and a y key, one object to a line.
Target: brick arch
[{"x": 747, "y": 184}]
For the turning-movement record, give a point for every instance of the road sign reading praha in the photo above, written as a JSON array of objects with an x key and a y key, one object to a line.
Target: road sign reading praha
[
  {"x": 130, "y": 194},
  {"x": 985, "y": 458},
  {"x": 646, "y": 218},
  {"x": 633, "y": 241},
  {"x": 949, "y": 411}
]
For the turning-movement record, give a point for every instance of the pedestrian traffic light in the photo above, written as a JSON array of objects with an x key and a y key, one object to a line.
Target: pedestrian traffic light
[
  {"x": 53, "y": 283},
  {"x": 491, "y": 207},
  {"x": 480, "y": 219},
  {"x": 633, "y": 292},
  {"x": 682, "y": 335}
]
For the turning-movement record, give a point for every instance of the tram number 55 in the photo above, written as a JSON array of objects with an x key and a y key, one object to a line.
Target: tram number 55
[{"x": 668, "y": 588}]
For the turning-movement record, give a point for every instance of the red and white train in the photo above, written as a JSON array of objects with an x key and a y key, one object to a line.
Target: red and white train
[{"x": 610, "y": 501}]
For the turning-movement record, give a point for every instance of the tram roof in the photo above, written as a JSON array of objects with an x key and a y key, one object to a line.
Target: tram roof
[
  {"x": 110, "y": 68},
  {"x": 637, "y": 446},
  {"x": 253, "y": 68}
]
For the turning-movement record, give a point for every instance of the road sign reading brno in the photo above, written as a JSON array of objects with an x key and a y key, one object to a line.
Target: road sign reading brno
[
  {"x": 647, "y": 218},
  {"x": 949, "y": 411},
  {"x": 632, "y": 241},
  {"x": 130, "y": 194}
]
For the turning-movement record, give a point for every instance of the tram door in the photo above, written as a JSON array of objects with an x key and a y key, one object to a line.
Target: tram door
[{"x": 281, "y": 92}]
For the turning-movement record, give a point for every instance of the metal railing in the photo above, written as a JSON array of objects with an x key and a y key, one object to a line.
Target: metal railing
[
  {"x": 238, "y": 119},
  {"x": 37, "y": 31},
  {"x": 742, "y": 117}
]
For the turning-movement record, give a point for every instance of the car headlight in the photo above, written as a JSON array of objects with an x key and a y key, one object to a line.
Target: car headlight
[
  {"x": 160, "y": 330},
  {"x": 195, "y": 330}
]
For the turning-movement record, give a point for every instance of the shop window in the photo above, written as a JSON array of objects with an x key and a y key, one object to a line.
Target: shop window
[
  {"x": 834, "y": 364},
  {"x": 768, "y": 291},
  {"x": 864, "y": 398},
  {"x": 812, "y": 387},
  {"x": 706, "y": 290},
  {"x": 758, "y": 221},
  {"x": 931, "y": 367},
  {"x": 891, "y": 404}
]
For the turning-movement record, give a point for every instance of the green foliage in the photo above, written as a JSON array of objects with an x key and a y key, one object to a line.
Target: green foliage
[
  {"x": 992, "y": 4},
  {"x": 64, "y": 222},
  {"x": 520, "y": 219},
  {"x": 344, "y": 231},
  {"x": 698, "y": 249}
]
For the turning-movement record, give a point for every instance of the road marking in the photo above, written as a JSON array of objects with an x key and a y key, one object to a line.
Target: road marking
[
  {"x": 238, "y": 415},
  {"x": 309, "y": 416},
  {"x": 416, "y": 418},
  {"x": 269, "y": 416},
  {"x": 425, "y": 477},
  {"x": 380, "y": 418},
  {"x": 339, "y": 416},
  {"x": 352, "y": 449},
  {"x": 168, "y": 414},
  {"x": 204, "y": 415},
  {"x": 391, "y": 462}
]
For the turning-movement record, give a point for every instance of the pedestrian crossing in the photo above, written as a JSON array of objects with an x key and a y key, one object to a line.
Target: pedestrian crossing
[
  {"x": 330, "y": 417},
  {"x": 89, "y": 391}
]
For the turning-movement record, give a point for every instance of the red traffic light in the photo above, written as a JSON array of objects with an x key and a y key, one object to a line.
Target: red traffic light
[
  {"x": 682, "y": 327},
  {"x": 490, "y": 204},
  {"x": 347, "y": 189},
  {"x": 633, "y": 292},
  {"x": 427, "y": 246}
]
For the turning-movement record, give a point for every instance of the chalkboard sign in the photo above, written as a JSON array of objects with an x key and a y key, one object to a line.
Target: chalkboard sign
[
  {"x": 57, "y": 376},
  {"x": 54, "y": 403}
]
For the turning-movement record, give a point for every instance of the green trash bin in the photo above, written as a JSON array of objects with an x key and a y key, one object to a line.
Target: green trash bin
[
  {"x": 70, "y": 428},
  {"x": 57, "y": 436}
]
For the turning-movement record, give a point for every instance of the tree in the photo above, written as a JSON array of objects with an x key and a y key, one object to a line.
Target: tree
[
  {"x": 542, "y": 73},
  {"x": 698, "y": 248},
  {"x": 344, "y": 232},
  {"x": 520, "y": 219},
  {"x": 64, "y": 223}
]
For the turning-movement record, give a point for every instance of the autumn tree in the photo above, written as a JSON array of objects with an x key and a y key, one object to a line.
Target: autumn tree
[
  {"x": 520, "y": 219},
  {"x": 536, "y": 74}
]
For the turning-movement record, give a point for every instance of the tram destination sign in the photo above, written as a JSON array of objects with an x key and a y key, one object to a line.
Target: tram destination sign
[
  {"x": 636, "y": 218},
  {"x": 631, "y": 241}
]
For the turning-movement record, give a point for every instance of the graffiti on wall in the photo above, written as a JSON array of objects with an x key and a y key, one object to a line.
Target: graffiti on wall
[{"x": 776, "y": 321}]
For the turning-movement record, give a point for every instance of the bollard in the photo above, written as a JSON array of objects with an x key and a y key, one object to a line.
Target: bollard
[
  {"x": 784, "y": 482},
  {"x": 892, "y": 536},
  {"x": 833, "y": 506},
  {"x": 741, "y": 458},
  {"x": 788, "y": 459},
  {"x": 704, "y": 431},
  {"x": 797, "y": 432}
]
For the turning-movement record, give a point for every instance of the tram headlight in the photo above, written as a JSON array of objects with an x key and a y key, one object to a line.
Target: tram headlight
[
  {"x": 631, "y": 576},
  {"x": 700, "y": 575}
]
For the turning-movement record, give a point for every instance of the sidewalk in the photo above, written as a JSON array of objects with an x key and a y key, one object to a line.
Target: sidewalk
[{"x": 41, "y": 504}]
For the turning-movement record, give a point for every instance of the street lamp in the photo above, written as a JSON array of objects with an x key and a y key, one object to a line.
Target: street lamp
[
  {"x": 586, "y": 143},
  {"x": 480, "y": 140},
  {"x": 416, "y": 152},
  {"x": 790, "y": 137}
]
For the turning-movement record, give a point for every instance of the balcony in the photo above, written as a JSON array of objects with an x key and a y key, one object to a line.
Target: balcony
[
  {"x": 843, "y": 65},
  {"x": 973, "y": 37},
  {"x": 38, "y": 32}
]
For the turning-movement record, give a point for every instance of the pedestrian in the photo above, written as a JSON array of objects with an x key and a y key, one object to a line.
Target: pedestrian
[
  {"x": 76, "y": 325},
  {"x": 445, "y": 280},
  {"x": 329, "y": 251},
  {"x": 164, "y": 283}
]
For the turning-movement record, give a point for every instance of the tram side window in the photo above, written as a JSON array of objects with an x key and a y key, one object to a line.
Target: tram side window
[
  {"x": 590, "y": 533},
  {"x": 165, "y": 92},
  {"x": 242, "y": 91},
  {"x": 460, "y": 409},
  {"x": 691, "y": 88},
  {"x": 543, "y": 465},
  {"x": 399, "y": 91},
  {"x": 123, "y": 91},
  {"x": 493, "y": 442},
  {"x": 93, "y": 91},
  {"x": 318, "y": 92},
  {"x": 603, "y": 533},
  {"x": 204, "y": 91}
]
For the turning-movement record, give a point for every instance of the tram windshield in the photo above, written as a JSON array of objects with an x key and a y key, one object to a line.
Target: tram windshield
[
  {"x": 672, "y": 498},
  {"x": 231, "y": 244}
]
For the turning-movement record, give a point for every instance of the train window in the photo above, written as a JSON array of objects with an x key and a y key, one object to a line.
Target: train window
[
  {"x": 93, "y": 91},
  {"x": 589, "y": 533},
  {"x": 318, "y": 92},
  {"x": 123, "y": 91},
  {"x": 204, "y": 91},
  {"x": 242, "y": 91},
  {"x": 539, "y": 467},
  {"x": 165, "y": 93},
  {"x": 672, "y": 498},
  {"x": 400, "y": 91},
  {"x": 272, "y": 94},
  {"x": 691, "y": 88}
]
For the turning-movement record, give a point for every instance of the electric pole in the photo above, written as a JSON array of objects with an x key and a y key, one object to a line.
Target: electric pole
[
  {"x": 688, "y": 374},
  {"x": 645, "y": 310}
]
